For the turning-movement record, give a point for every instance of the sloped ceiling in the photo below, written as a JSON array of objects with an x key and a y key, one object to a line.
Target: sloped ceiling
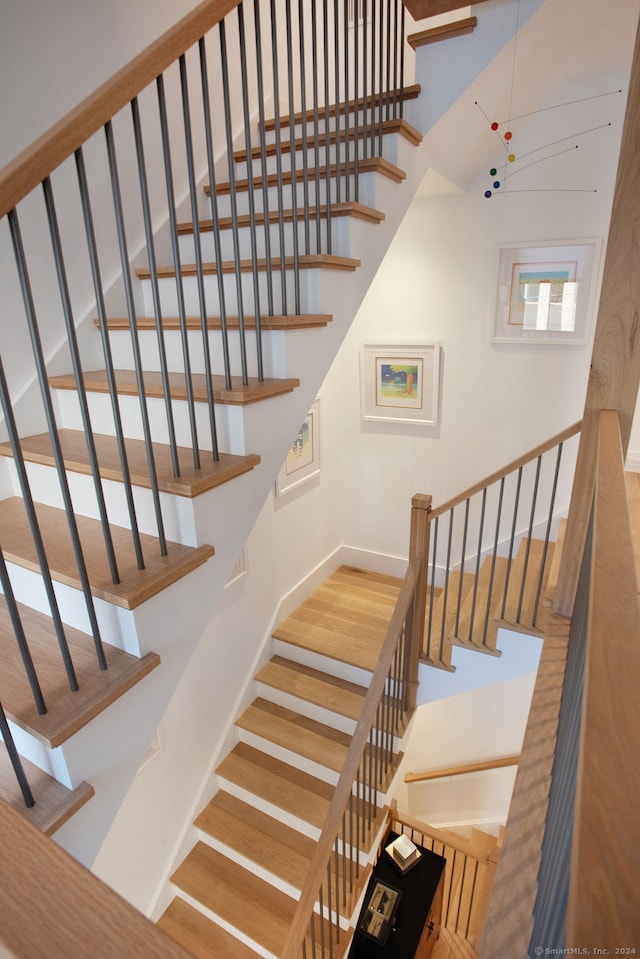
[{"x": 564, "y": 43}]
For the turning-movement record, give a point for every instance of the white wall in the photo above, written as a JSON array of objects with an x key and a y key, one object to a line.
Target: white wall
[{"x": 437, "y": 283}]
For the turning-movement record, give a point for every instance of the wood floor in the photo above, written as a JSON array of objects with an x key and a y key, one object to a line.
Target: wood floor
[{"x": 255, "y": 838}]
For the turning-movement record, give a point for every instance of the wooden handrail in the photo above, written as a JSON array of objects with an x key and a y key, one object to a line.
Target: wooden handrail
[
  {"x": 462, "y": 769},
  {"x": 52, "y": 906},
  {"x": 606, "y": 835},
  {"x": 459, "y": 843},
  {"x": 324, "y": 846},
  {"x": 27, "y": 171},
  {"x": 509, "y": 468}
]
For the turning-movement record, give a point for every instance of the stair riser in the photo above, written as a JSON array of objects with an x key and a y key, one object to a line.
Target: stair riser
[
  {"x": 310, "y": 710},
  {"x": 319, "y": 159},
  {"x": 117, "y": 625},
  {"x": 168, "y": 293},
  {"x": 340, "y": 240},
  {"x": 297, "y": 654},
  {"x": 229, "y": 419},
  {"x": 177, "y": 511},
  {"x": 273, "y": 358}
]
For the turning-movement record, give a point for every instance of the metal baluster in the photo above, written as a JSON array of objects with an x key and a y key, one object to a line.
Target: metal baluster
[
  {"x": 206, "y": 352},
  {"x": 461, "y": 889},
  {"x": 280, "y": 205},
  {"x": 478, "y": 559},
  {"x": 224, "y": 66},
  {"x": 347, "y": 111},
  {"x": 446, "y": 583},
  {"x": 294, "y": 175},
  {"x": 303, "y": 113},
  {"x": 15, "y": 760},
  {"x": 321, "y": 905},
  {"x": 251, "y": 196},
  {"x": 173, "y": 226},
  {"x": 356, "y": 91},
  {"x": 528, "y": 546},
  {"x": 316, "y": 122},
  {"x": 511, "y": 542},
  {"x": 56, "y": 246},
  {"x": 330, "y": 907},
  {"x": 263, "y": 156},
  {"x": 312, "y": 925},
  {"x": 59, "y": 461},
  {"x": 155, "y": 291},
  {"x": 215, "y": 219},
  {"x": 344, "y": 850},
  {"x": 21, "y": 639},
  {"x": 402, "y": 52},
  {"x": 471, "y": 898},
  {"x": 547, "y": 535},
  {"x": 493, "y": 563},
  {"x": 381, "y": 95},
  {"x": 373, "y": 77},
  {"x": 388, "y": 85},
  {"x": 106, "y": 349},
  {"x": 336, "y": 80},
  {"x": 135, "y": 341},
  {"x": 394, "y": 97},
  {"x": 462, "y": 562},
  {"x": 432, "y": 596},
  {"x": 365, "y": 57},
  {"x": 45, "y": 573},
  {"x": 327, "y": 121}
]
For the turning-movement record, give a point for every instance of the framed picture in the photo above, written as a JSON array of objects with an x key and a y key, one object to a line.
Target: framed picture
[
  {"x": 545, "y": 293},
  {"x": 303, "y": 459},
  {"x": 400, "y": 383},
  {"x": 377, "y": 917}
]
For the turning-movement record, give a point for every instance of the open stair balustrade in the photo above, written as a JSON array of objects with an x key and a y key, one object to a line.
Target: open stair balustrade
[{"x": 217, "y": 241}]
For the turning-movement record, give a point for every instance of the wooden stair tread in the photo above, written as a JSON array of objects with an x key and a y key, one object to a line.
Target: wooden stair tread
[
  {"x": 446, "y": 31},
  {"x": 409, "y": 92},
  {"x": 365, "y": 165},
  {"x": 520, "y": 605},
  {"x": 314, "y": 686},
  {"x": 67, "y": 711},
  {"x": 280, "y": 784},
  {"x": 239, "y": 394},
  {"x": 237, "y": 896},
  {"x": 290, "y": 321},
  {"x": 200, "y": 936},
  {"x": 258, "y": 837},
  {"x": 398, "y": 125},
  {"x": 306, "y": 261},
  {"x": 477, "y": 626},
  {"x": 136, "y": 585},
  {"x": 346, "y": 618},
  {"x": 190, "y": 483},
  {"x": 345, "y": 208},
  {"x": 297, "y": 733},
  {"x": 54, "y": 803}
]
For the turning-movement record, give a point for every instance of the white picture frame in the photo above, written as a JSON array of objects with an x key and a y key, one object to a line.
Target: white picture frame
[
  {"x": 400, "y": 383},
  {"x": 303, "y": 459},
  {"x": 545, "y": 292}
]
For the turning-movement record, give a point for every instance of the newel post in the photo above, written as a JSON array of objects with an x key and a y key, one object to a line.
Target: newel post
[{"x": 418, "y": 551}]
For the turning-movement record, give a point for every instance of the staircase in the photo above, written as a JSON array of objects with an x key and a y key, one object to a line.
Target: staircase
[{"x": 254, "y": 839}]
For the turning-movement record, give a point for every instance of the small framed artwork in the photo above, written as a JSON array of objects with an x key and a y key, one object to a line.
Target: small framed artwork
[
  {"x": 303, "y": 459},
  {"x": 400, "y": 383},
  {"x": 545, "y": 293}
]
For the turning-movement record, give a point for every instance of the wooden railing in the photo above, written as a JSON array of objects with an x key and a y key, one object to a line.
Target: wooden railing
[
  {"x": 468, "y": 878},
  {"x": 355, "y": 819},
  {"x": 159, "y": 136},
  {"x": 463, "y": 769},
  {"x": 475, "y": 537}
]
